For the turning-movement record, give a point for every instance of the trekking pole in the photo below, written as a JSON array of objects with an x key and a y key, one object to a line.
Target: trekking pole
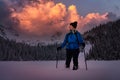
[
  {"x": 56, "y": 59},
  {"x": 85, "y": 60}
]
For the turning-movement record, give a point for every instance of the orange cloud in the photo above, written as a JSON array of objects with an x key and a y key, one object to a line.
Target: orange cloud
[
  {"x": 48, "y": 17},
  {"x": 41, "y": 18},
  {"x": 72, "y": 14},
  {"x": 93, "y": 18}
]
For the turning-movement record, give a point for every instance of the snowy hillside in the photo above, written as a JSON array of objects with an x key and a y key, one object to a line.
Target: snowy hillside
[
  {"x": 106, "y": 40},
  {"x": 12, "y": 34}
]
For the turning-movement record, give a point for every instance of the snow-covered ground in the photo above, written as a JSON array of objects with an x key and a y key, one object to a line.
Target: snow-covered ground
[{"x": 46, "y": 70}]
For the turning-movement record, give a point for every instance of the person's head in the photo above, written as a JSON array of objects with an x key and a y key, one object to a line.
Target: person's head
[{"x": 73, "y": 25}]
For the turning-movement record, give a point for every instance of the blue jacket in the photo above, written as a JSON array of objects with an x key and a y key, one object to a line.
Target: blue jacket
[{"x": 72, "y": 40}]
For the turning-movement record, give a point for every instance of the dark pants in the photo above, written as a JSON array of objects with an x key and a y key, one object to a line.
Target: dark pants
[{"x": 72, "y": 54}]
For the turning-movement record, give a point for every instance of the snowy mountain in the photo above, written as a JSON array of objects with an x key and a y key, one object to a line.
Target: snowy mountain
[
  {"x": 12, "y": 34},
  {"x": 2, "y": 33}
]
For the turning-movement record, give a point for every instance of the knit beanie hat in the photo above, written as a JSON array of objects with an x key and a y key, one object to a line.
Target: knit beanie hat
[{"x": 74, "y": 24}]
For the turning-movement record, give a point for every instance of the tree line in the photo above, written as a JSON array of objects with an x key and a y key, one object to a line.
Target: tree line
[
  {"x": 105, "y": 40},
  {"x": 11, "y": 50}
]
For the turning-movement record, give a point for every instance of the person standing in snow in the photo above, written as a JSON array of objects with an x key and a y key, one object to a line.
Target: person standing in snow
[{"x": 73, "y": 40}]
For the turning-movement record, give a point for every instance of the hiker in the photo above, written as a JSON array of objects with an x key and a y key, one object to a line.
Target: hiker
[{"x": 73, "y": 40}]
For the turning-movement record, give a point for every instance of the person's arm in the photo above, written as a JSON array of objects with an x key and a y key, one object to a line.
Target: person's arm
[
  {"x": 80, "y": 38},
  {"x": 81, "y": 41},
  {"x": 64, "y": 42}
]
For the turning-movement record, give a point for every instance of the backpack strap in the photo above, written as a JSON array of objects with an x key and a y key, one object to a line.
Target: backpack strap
[
  {"x": 76, "y": 37},
  {"x": 68, "y": 35}
]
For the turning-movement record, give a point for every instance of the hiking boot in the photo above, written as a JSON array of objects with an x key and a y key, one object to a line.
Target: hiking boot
[
  {"x": 67, "y": 66},
  {"x": 75, "y": 67}
]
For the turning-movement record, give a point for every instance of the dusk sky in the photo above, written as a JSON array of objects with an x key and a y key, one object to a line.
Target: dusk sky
[
  {"x": 47, "y": 17},
  {"x": 87, "y": 6}
]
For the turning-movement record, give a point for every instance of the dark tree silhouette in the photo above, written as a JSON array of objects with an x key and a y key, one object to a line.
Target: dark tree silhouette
[
  {"x": 12, "y": 51},
  {"x": 106, "y": 41}
]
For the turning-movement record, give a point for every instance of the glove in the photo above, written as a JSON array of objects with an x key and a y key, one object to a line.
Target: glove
[
  {"x": 59, "y": 48},
  {"x": 82, "y": 45}
]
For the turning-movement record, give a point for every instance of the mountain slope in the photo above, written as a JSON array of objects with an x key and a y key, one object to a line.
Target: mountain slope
[
  {"x": 106, "y": 41},
  {"x": 2, "y": 33},
  {"x": 33, "y": 40}
]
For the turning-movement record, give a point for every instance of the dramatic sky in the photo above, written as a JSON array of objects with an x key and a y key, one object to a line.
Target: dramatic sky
[
  {"x": 88, "y": 6},
  {"x": 48, "y": 17}
]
